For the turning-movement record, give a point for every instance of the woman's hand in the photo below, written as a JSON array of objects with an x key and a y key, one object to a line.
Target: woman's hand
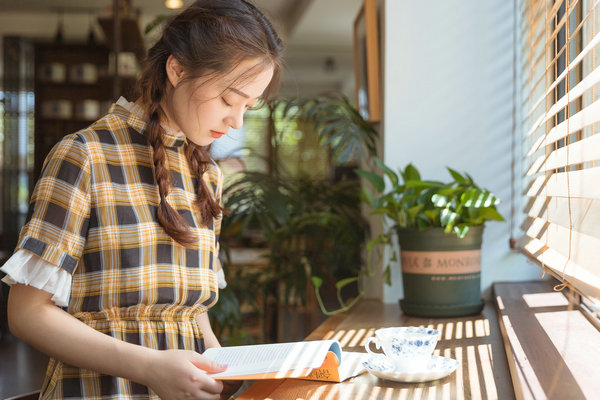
[{"x": 181, "y": 374}]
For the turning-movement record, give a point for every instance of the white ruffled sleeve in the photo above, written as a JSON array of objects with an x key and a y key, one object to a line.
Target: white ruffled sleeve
[
  {"x": 221, "y": 279},
  {"x": 30, "y": 269}
]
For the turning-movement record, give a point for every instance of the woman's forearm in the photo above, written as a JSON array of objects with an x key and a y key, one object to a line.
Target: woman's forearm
[
  {"x": 210, "y": 340},
  {"x": 36, "y": 320}
]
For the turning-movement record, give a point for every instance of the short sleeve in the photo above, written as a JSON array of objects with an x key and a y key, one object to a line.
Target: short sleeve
[
  {"x": 58, "y": 218},
  {"x": 29, "y": 269}
]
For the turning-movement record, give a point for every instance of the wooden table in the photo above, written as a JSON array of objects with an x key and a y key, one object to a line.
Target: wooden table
[{"x": 475, "y": 341}]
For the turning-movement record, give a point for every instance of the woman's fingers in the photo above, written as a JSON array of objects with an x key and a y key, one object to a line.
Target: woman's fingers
[
  {"x": 207, "y": 365},
  {"x": 209, "y": 385}
]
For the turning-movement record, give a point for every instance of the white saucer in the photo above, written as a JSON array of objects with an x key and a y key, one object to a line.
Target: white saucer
[{"x": 438, "y": 367}]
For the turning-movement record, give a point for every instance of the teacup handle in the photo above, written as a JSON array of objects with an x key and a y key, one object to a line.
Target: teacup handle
[{"x": 368, "y": 345}]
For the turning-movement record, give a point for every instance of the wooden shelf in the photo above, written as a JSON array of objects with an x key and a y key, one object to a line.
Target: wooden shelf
[{"x": 48, "y": 131}]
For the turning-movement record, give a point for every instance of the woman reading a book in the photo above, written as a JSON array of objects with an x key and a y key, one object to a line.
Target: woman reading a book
[{"x": 116, "y": 264}]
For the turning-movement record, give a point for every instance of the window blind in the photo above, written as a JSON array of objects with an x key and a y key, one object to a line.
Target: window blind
[{"x": 559, "y": 45}]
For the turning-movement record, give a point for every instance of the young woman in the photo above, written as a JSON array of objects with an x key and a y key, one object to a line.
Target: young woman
[{"x": 116, "y": 265}]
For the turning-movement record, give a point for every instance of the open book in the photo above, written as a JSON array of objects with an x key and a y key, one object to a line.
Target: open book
[{"x": 321, "y": 360}]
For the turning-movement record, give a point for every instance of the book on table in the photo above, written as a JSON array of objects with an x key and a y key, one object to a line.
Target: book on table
[{"x": 321, "y": 360}]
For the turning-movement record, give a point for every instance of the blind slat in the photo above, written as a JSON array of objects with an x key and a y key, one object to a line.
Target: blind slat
[
  {"x": 584, "y": 213},
  {"x": 592, "y": 79},
  {"x": 586, "y": 281},
  {"x": 560, "y": 239},
  {"x": 580, "y": 184},
  {"x": 572, "y": 66},
  {"x": 578, "y": 121},
  {"x": 581, "y": 151}
]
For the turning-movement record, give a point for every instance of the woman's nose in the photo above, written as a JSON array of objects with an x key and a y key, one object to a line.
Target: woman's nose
[{"x": 236, "y": 119}]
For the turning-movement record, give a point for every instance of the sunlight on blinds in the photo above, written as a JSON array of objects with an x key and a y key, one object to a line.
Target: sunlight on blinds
[{"x": 560, "y": 90}]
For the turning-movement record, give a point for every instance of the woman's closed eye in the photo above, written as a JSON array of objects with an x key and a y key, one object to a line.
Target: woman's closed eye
[{"x": 246, "y": 106}]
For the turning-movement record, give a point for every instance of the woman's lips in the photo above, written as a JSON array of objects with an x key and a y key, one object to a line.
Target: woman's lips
[{"x": 216, "y": 134}]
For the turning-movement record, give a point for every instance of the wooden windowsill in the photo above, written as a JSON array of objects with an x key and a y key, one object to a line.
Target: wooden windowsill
[
  {"x": 475, "y": 341},
  {"x": 552, "y": 348}
]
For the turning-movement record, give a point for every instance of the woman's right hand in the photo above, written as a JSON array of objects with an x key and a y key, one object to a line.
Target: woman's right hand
[{"x": 181, "y": 374}]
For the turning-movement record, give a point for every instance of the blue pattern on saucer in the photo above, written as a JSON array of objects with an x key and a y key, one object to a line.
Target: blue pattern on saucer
[{"x": 438, "y": 367}]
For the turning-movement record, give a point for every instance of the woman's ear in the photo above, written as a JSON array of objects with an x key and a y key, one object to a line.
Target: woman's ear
[{"x": 174, "y": 71}]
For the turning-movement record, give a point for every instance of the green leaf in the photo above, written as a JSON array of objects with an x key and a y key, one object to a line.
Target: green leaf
[
  {"x": 317, "y": 282},
  {"x": 421, "y": 185},
  {"x": 388, "y": 171},
  {"x": 439, "y": 200},
  {"x": 478, "y": 198},
  {"x": 344, "y": 282},
  {"x": 448, "y": 216},
  {"x": 448, "y": 191},
  {"x": 411, "y": 173},
  {"x": 386, "y": 276},
  {"x": 470, "y": 180},
  {"x": 490, "y": 213},
  {"x": 329, "y": 133},
  {"x": 433, "y": 215},
  {"x": 457, "y": 177},
  {"x": 376, "y": 180},
  {"x": 342, "y": 153},
  {"x": 381, "y": 210},
  {"x": 414, "y": 211},
  {"x": 376, "y": 241},
  {"x": 367, "y": 197},
  {"x": 461, "y": 230}
]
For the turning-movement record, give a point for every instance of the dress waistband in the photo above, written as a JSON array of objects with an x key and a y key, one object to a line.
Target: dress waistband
[{"x": 141, "y": 312}]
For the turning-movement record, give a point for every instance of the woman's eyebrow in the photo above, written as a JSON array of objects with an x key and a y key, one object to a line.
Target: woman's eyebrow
[{"x": 239, "y": 93}]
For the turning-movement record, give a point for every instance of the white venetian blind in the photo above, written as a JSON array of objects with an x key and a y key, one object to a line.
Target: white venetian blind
[{"x": 560, "y": 86}]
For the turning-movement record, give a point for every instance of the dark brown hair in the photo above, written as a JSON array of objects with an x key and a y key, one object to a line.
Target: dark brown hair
[{"x": 208, "y": 39}]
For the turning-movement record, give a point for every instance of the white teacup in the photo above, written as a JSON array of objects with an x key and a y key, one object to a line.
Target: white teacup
[{"x": 409, "y": 347}]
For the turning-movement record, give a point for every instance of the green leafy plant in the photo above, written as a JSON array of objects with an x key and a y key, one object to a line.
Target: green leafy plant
[
  {"x": 410, "y": 202},
  {"x": 414, "y": 203},
  {"x": 338, "y": 125},
  {"x": 312, "y": 227}
]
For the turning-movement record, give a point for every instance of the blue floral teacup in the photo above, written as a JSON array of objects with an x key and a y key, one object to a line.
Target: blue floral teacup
[{"x": 409, "y": 347}]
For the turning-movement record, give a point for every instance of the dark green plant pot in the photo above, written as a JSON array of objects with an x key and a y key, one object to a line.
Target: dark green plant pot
[{"x": 441, "y": 274}]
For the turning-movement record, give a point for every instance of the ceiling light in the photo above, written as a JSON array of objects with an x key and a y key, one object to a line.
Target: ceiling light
[{"x": 173, "y": 4}]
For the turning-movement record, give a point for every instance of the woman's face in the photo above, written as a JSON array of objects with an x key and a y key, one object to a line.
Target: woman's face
[{"x": 204, "y": 110}]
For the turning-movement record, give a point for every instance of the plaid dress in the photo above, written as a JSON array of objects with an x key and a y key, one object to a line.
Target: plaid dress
[{"x": 93, "y": 213}]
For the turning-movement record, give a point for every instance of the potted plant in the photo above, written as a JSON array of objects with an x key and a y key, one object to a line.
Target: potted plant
[{"x": 439, "y": 228}]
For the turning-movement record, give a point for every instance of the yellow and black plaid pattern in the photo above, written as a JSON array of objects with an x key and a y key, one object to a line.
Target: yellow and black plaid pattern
[{"x": 94, "y": 214}]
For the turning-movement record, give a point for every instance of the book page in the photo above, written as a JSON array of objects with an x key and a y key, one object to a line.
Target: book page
[
  {"x": 351, "y": 365},
  {"x": 277, "y": 357}
]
